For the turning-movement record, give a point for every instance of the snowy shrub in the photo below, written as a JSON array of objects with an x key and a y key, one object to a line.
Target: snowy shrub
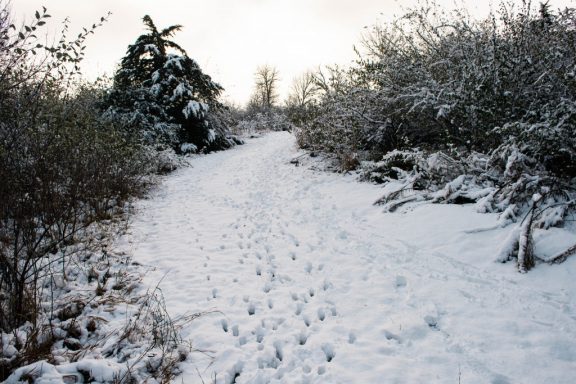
[
  {"x": 435, "y": 79},
  {"x": 489, "y": 103},
  {"x": 272, "y": 120},
  {"x": 63, "y": 167},
  {"x": 509, "y": 182}
]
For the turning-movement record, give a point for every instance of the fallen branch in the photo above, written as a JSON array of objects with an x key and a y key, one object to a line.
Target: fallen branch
[
  {"x": 526, "y": 244},
  {"x": 561, "y": 257}
]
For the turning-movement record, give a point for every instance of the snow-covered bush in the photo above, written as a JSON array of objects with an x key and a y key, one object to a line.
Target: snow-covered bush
[
  {"x": 436, "y": 79},
  {"x": 272, "y": 120},
  {"x": 509, "y": 182},
  {"x": 62, "y": 168},
  {"x": 489, "y": 103}
]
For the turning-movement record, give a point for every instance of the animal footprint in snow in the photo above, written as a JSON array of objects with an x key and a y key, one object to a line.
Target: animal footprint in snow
[
  {"x": 328, "y": 350},
  {"x": 391, "y": 336},
  {"x": 401, "y": 281},
  {"x": 277, "y": 323},
  {"x": 321, "y": 314},
  {"x": 302, "y": 338},
  {"x": 235, "y": 330},
  {"x": 259, "y": 332},
  {"x": 235, "y": 372},
  {"x": 307, "y": 321},
  {"x": 299, "y": 308},
  {"x": 224, "y": 324},
  {"x": 251, "y": 309},
  {"x": 308, "y": 267},
  {"x": 432, "y": 321},
  {"x": 278, "y": 348},
  {"x": 351, "y": 338}
]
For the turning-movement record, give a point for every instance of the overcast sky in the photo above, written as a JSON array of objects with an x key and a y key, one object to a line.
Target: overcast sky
[{"x": 231, "y": 38}]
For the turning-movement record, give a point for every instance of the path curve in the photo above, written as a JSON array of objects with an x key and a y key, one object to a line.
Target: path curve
[{"x": 312, "y": 284}]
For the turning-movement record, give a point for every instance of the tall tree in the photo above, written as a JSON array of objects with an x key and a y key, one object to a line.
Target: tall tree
[
  {"x": 265, "y": 94},
  {"x": 163, "y": 92},
  {"x": 303, "y": 90},
  {"x": 147, "y": 54},
  {"x": 302, "y": 98}
]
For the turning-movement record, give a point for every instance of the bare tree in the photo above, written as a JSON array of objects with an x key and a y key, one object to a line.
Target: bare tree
[
  {"x": 302, "y": 99},
  {"x": 265, "y": 93},
  {"x": 330, "y": 79},
  {"x": 304, "y": 89}
]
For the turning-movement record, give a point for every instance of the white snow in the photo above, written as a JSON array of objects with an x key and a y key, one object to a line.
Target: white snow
[
  {"x": 101, "y": 371},
  {"x": 181, "y": 90},
  {"x": 303, "y": 280},
  {"x": 173, "y": 61},
  {"x": 152, "y": 48},
  {"x": 188, "y": 148},
  {"x": 193, "y": 108}
]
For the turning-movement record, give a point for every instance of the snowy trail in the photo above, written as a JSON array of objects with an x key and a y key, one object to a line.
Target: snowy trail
[{"x": 309, "y": 283}]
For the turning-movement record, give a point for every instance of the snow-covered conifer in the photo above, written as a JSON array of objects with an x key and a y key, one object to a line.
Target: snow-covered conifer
[{"x": 163, "y": 95}]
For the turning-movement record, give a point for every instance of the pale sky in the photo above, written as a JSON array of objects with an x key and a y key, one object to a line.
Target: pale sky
[{"x": 231, "y": 38}]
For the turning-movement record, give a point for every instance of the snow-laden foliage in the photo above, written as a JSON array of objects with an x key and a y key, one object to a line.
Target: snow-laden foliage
[
  {"x": 500, "y": 89},
  {"x": 273, "y": 120},
  {"x": 66, "y": 176},
  {"x": 165, "y": 97},
  {"x": 432, "y": 79},
  {"x": 514, "y": 185}
]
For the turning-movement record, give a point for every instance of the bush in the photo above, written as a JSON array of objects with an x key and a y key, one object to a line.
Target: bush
[
  {"x": 62, "y": 165},
  {"x": 461, "y": 110},
  {"x": 435, "y": 79},
  {"x": 273, "y": 120}
]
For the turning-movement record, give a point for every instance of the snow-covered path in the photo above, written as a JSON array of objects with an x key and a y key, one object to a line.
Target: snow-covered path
[{"x": 309, "y": 283}]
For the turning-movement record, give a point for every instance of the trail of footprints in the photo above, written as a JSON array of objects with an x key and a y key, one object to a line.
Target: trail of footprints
[
  {"x": 280, "y": 337},
  {"x": 284, "y": 339}
]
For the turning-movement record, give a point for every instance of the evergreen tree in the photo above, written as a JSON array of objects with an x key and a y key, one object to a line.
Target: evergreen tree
[{"x": 162, "y": 93}]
